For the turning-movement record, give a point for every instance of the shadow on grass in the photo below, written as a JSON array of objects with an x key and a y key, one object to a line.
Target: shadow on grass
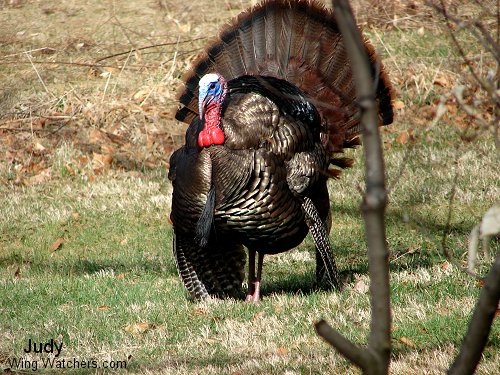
[
  {"x": 428, "y": 224},
  {"x": 78, "y": 267},
  {"x": 304, "y": 282}
]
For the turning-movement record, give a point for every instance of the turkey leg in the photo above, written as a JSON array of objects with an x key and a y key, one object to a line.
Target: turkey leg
[
  {"x": 253, "y": 294},
  {"x": 320, "y": 237}
]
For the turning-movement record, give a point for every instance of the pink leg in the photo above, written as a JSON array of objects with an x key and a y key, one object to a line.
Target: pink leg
[
  {"x": 251, "y": 275},
  {"x": 253, "y": 294}
]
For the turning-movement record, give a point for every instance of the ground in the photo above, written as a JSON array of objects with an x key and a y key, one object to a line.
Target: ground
[{"x": 86, "y": 131}]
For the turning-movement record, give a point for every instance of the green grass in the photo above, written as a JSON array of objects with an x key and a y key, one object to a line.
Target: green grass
[{"x": 115, "y": 270}]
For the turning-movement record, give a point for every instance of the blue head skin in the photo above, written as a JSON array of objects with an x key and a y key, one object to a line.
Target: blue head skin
[{"x": 212, "y": 91}]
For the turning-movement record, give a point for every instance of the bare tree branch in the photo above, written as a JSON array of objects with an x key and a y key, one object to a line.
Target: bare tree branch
[
  {"x": 479, "y": 327},
  {"x": 352, "y": 352},
  {"x": 374, "y": 359},
  {"x": 442, "y": 9}
]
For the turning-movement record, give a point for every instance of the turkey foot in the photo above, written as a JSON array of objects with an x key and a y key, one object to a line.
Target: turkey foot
[
  {"x": 253, "y": 294},
  {"x": 320, "y": 237}
]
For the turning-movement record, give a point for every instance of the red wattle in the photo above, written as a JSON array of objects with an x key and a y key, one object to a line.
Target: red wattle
[
  {"x": 211, "y": 136},
  {"x": 217, "y": 136}
]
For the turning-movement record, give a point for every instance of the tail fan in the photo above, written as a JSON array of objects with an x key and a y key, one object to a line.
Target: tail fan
[{"x": 296, "y": 41}]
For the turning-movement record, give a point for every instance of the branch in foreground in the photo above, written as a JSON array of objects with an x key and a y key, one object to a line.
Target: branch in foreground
[
  {"x": 480, "y": 324},
  {"x": 354, "y": 353},
  {"x": 376, "y": 358}
]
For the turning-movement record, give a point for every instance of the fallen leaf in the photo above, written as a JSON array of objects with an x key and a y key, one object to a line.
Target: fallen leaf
[
  {"x": 83, "y": 160},
  {"x": 421, "y": 31},
  {"x": 398, "y": 104},
  {"x": 361, "y": 287},
  {"x": 123, "y": 242},
  {"x": 75, "y": 215},
  {"x": 120, "y": 276},
  {"x": 103, "y": 307},
  {"x": 407, "y": 341},
  {"x": 97, "y": 136},
  {"x": 140, "y": 95},
  {"x": 259, "y": 315},
  {"x": 57, "y": 244},
  {"x": 281, "y": 350},
  {"x": 137, "y": 327},
  {"x": 40, "y": 178},
  {"x": 38, "y": 147},
  {"x": 403, "y": 137},
  {"x": 101, "y": 162},
  {"x": 441, "y": 81},
  {"x": 199, "y": 311},
  {"x": 17, "y": 274},
  {"x": 70, "y": 170}
]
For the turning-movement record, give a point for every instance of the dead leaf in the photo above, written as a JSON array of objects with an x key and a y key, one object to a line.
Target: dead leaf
[
  {"x": 70, "y": 170},
  {"x": 361, "y": 287},
  {"x": 57, "y": 244},
  {"x": 403, "y": 137},
  {"x": 407, "y": 341},
  {"x": 421, "y": 31},
  {"x": 282, "y": 351},
  {"x": 38, "y": 147},
  {"x": 137, "y": 328},
  {"x": 120, "y": 276},
  {"x": 398, "y": 104},
  {"x": 101, "y": 162},
  {"x": 441, "y": 81},
  {"x": 75, "y": 215},
  {"x": 199, "y": 311},
  {"x": 259, "y": 315},
  {"x": 44, "y": 176},
  {"x": 123, "y": 242},
  {"x": 103, "y": 307},
  {"x": 445, "y": 265},
  {"x": 17, "y": 274},
  {"x": 83, "y": 160},
  {"x": 140, "y": 95},
  {"x": 97, "y": 136}
]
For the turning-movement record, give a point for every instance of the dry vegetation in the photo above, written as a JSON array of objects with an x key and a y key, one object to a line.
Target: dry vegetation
[{"x": 87, "y": 101}]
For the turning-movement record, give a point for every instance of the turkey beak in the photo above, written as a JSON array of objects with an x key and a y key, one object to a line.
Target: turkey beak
[
  {"x": 201, "y": 109},
  {"x": 202, "y": 105}
]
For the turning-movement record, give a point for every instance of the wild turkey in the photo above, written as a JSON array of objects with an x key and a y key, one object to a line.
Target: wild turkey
[{"x": 269, "y": 104}]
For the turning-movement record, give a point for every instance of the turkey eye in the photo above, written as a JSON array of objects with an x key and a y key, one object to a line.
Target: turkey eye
[{"x": 212, "y": 85}]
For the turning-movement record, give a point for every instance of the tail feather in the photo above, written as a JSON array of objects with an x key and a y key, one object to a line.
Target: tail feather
[
  {"x": 284, "y": 19},
  {"x": 299, "y": 42},
  {"x": 258, "y": 21},
  {"x": 270, "y": 34}
]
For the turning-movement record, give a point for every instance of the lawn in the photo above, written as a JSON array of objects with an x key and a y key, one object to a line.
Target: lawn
[{"x": 86, "y": 131}]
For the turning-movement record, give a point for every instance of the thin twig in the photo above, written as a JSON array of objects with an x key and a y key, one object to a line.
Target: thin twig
[
  {"x": 446, "y": 231},
  {"x": 38, "y": 75},
  {"x": 148, "y": 47}
]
